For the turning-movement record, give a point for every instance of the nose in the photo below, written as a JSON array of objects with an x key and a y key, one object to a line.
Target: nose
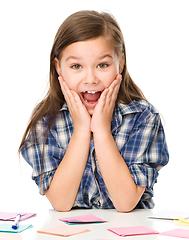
[{"x": 90, "y": 77}]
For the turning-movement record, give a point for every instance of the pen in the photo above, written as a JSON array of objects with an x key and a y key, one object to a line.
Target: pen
[{"x": 15, "y": 225}]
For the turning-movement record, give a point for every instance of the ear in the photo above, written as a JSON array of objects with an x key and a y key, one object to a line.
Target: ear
[
  {"x": 57, "y": 66},
  {"x": 121, "y": 63}
]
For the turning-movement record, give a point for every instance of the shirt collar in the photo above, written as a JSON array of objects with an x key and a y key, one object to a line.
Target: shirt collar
[
  {"x": 64, "y": 107},
  {"x": 124, "y": 109},
  {"x": 119, "y": 111}
]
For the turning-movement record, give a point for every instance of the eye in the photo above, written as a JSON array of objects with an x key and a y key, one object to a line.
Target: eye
[
  {"x": 76, "y": 66},
  {"x": 102, "y": 65}
]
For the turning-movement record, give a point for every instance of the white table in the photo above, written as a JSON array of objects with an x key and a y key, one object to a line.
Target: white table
[{"x": 50, "y": 218}]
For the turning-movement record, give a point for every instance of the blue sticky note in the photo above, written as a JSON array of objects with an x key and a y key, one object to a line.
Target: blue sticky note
[{"x": 8, "y": 228}]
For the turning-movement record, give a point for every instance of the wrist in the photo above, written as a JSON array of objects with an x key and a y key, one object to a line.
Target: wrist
[
  {"x": 103, "y": 134},
  {"x": 85, "y": 135}
]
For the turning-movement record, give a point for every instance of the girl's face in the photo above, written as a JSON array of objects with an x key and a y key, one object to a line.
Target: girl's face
[{"x": 88, "y": 68}]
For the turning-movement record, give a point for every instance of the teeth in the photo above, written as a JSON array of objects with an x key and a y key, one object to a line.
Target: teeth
[
  {"x": 86, "y": 100},
  {"x": 93, "y": 92}
]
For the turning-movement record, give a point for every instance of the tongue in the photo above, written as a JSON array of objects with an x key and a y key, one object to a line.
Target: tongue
[{"x": 91, "y": 97}]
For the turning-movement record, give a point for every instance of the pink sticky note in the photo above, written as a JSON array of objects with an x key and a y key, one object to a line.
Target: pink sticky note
[
  {"x": 11, "y": 236},
  {"x": 129, "y": 231},
  {"x": 64, "y": 230},
  {"x": 11, "y": 216},
  {"x": 7, "y": 215},
  {"x": 26, "y": 216},
  {"x": 87, "y": 218},
  {"x": 181, "y": 233}
]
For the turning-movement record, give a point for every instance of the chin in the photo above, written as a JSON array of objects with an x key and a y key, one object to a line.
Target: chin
[{"x": 90, "y": 111}]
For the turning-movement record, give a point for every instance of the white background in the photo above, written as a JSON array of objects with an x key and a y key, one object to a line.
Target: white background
[{"x": 157, "y": 43}]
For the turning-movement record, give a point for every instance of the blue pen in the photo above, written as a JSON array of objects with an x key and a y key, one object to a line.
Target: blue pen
[{"x": 15, "y": 225}]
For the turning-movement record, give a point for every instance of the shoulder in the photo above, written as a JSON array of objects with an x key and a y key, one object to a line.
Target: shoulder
[
  {"x": 144, "y": 105},
  {"x": 137, "y": 113},
  {"x": 137, "y": 106},
  {"x": 60, "y": 123},
  {"x": 135, "y": 109},
  {"x": 61, "y": 118}
]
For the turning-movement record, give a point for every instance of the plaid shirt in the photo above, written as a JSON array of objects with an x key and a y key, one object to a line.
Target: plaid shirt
[{"x": 139, "y": 135}]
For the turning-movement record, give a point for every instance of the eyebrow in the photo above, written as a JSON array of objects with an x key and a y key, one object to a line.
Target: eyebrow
[
  {"x": 72, "y": 57},
  {"x": 79, "y": 58},
  {"x": 105, "y": 56}
]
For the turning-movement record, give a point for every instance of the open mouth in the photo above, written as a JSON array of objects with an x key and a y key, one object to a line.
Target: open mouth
[{"x": 90, "y": 98}]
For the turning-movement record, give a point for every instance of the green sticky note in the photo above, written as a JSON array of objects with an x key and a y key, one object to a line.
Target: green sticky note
[{"x": 8, "y": 228}]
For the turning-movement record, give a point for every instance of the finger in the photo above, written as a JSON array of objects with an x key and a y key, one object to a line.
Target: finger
[
  {"x": 116, "y": 89},
  {"x": 67, "y": 92},
  {"x": 113, "y": 91},
  {"x": 61, "y": 81},
  {"x": 116, "y": 84},
  {"x": 77, "y": 99},
  {"x": 102, "y": 99},
  {"x": 63, "y": 88},
  {"x": 62, "y": 84}
]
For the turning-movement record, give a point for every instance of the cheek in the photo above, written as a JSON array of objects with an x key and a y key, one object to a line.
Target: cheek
[
  {"x": 70, "y": 79},
  {"x": 110, "y": 76}
]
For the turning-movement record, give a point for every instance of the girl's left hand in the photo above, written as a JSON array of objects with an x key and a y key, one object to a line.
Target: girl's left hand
[{"x": 102, "y": 116}]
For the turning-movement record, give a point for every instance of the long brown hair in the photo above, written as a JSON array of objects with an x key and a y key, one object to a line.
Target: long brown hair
[{"x": 81, "y": 26}]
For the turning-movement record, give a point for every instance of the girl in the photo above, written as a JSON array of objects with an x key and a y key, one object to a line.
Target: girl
[{"x": 94, "y": 141}]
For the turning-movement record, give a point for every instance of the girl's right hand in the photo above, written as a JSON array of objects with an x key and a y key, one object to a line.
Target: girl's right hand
[{"x": 80, "y": 116}]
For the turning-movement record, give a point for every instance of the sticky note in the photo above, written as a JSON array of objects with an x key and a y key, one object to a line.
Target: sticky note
[
  {"x": 183, "y": 220},
  {"x": 181, "y": 233},
  {"x": 64, "y": 230},
  {"x": 87, "y": 218},
  {"x": 10, "y": 216},
  {"x": 180, "y": 224},
  {"x": 10, "y": 236},
  {"x": 6, "y": 216},
  {"x": 8, "y": 228},
  {"x": 130, "y": 231},
  {"x": 171, "y": 215}
]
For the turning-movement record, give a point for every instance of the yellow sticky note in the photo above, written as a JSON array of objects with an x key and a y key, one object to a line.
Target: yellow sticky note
[{"x": 181, "y": 222}]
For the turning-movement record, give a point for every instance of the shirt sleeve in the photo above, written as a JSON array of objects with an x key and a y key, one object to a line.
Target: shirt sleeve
[
  {"x": 42, "y": 173},
  {"x": 146, "y": 150}
]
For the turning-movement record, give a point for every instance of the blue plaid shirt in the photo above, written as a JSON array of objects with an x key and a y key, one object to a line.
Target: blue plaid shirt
[{"x": 139, "y": 135}]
